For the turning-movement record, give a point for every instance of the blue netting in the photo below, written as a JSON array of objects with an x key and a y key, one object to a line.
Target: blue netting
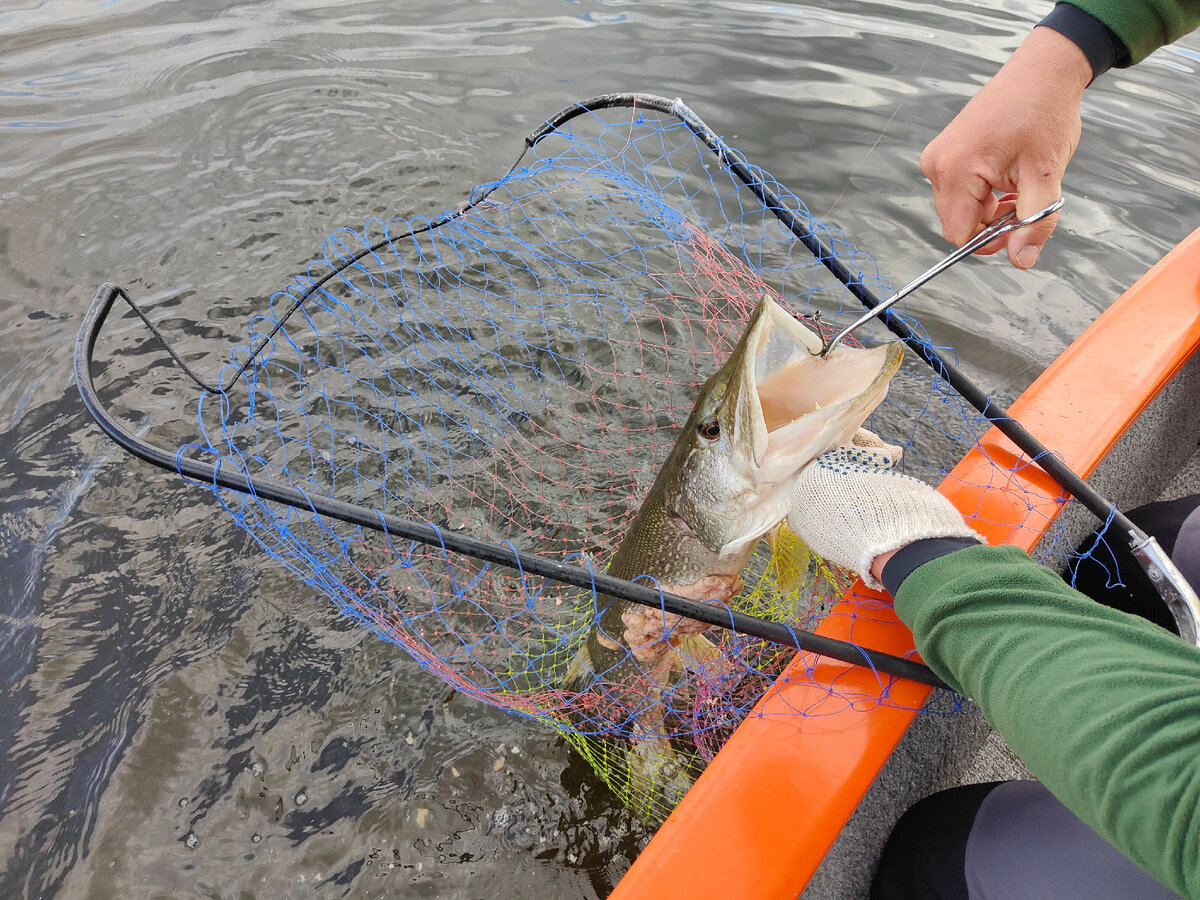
[{"x": 516, "y": 370}]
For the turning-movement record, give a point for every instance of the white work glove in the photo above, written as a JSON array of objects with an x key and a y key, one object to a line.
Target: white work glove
[{"x": 849, "y": 506}]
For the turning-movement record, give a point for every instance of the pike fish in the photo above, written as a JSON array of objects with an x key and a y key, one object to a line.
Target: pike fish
[{"x": 773, "y": 407}]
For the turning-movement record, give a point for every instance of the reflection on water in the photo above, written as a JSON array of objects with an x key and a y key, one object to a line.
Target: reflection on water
[{"x": 178, "y": 715}]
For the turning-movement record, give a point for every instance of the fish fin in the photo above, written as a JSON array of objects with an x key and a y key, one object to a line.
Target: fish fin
[
  {"x": 580, "y": 673},
  {"x": 789, "y": 558},
  {"x": 697, "y": 653}
]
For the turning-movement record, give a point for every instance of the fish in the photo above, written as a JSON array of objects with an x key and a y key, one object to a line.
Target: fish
[{"x": 769, "y": 410}]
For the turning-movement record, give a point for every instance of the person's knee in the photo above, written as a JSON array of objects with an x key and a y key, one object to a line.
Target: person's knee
[{"x": 924, "y": 856}]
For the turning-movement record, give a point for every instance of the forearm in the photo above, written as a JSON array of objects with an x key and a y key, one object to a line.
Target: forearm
[{"x": 1102, "y": 707}]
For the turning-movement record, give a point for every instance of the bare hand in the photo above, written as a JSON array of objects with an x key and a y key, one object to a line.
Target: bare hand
[{"x": 1015, "y": 136}]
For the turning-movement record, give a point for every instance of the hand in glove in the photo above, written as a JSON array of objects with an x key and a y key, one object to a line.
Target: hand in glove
[{"x": 849, "y": 506}]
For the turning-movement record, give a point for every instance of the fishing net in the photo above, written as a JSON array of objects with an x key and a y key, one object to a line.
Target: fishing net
[{"x": 514, "y": 371}]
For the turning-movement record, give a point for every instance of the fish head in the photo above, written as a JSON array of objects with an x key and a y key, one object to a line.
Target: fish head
[{"x": 773, "y": 407}]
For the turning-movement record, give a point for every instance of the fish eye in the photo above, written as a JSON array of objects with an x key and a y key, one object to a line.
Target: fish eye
[{"x": 709, "y": 430}]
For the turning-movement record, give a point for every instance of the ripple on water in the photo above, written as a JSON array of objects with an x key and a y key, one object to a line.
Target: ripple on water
[{"x": 180, "y": 715}]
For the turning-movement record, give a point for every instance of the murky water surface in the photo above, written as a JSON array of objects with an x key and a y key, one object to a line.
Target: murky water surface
[{"x": 178, "y": 716}]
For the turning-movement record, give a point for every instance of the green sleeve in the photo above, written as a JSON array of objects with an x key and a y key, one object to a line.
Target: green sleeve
[
  {"x": 1144, "y": 25},
  {"x": 1103, "y": 707}
]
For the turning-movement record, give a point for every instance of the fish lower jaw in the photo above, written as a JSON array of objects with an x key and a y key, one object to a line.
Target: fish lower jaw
[
  {"x": 737, "y": 551},
  {"x": 769, "y": 508}
]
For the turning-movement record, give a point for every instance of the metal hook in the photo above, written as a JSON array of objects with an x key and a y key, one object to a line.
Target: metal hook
[{"x": 999, "y": 228}]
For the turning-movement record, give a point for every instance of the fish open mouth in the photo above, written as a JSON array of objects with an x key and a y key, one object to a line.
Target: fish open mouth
[
  {"x": 782, "y": 405},
  {"x": 795, "y": 405},
  {"x": 809, "y": 404}
]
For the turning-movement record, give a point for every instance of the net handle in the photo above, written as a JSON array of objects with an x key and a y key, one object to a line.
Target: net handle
[{"x": 223, "y": 475}]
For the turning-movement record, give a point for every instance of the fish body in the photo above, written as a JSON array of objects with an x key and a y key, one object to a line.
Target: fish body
[{"x": 773, "y": 407}]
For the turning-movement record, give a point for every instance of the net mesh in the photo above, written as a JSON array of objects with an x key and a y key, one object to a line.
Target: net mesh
[{"x": 516, "y": 370}]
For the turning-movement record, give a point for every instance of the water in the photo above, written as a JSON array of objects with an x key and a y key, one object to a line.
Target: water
[{"x": 179, "y": 716}]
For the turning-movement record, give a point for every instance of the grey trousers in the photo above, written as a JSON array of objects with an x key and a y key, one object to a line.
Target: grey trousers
[{"x": 1008, "y": 840}]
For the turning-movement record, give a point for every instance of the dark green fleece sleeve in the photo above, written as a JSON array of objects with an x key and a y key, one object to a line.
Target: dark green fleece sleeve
[
  {"x": 1101, "y": 706},
  {"x": 1144, "y": 25}
]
